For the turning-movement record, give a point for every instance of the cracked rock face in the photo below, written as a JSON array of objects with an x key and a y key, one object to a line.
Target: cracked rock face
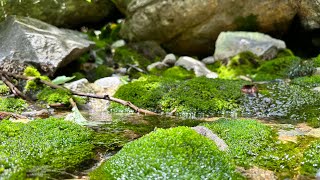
[
  {"x": 192, "y": 26},
  {"x": 27, "y": 41}
]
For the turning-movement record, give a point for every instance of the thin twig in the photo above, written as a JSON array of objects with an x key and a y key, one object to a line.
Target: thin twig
[
  {"x": 13, "y": 88},
  {"x": 105, "y": 97}
]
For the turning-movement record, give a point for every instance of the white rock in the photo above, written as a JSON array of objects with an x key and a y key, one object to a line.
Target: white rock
[{"x": 170, "y": 59}]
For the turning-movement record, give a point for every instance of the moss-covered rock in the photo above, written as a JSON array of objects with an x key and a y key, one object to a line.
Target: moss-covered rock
[
  {"x": 284, "y": 67},
  {"x": 195, "y": 97},
  {"x": 246, "y": 138},
  {"x": 51, "y": 144},
  {"x": 311, "y": 160},
  {"x": 307, "y": 81},
  {"x": 282, "y": 101},
  {"x": 244, "y": 63},
  {"x": 177, "y": 153},
  {"x": 52, "y": 96},
  {"x": 12, "y": 105},
  {"x": 146, "y": 92},
  {"x": 202, "y": 96}
]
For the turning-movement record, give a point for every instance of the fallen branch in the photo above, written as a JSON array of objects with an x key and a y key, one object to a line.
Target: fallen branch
[
  {"x": 105, "y": 97},
  {"x": 13, "y": 88},
  {"x": 4, "y": 114}
]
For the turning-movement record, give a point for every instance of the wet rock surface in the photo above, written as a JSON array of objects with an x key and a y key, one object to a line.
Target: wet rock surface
[{"x": 27, "y": 41}]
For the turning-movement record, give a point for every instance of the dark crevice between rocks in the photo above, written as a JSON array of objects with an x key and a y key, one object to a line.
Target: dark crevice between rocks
[{"x": 302, "y": 42}]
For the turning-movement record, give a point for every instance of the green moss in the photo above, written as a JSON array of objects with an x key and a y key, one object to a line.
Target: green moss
[
  {"x": 145, "y": 92},
  {"x": 78, "y": 75},
  {"x": 284, "y": 102},
  {"x": 124, "y": 56},
  {"x": 311, "y": 159},
  {"x": 178, "y": 153},
  {"x": 34, "y": 85},
  {"x": 244, "y": 63},
  {"x": 100, "y": 72},
  {"x": 12, "y": 105},
  {"x": 316, "y": 61},
  {"x": 179, "y": 73},
  {"x": 202, "y": 96},
  {"x": 307, "y": 81},
  {"x": 51, "y": 144},
  {"x": 4, "y": 89},
  {"x": 246, "y": 138},
  {"x": 284, "y": 53},
  {"x": 284, "y": 67},
  {"x": 52, "y": 96}
]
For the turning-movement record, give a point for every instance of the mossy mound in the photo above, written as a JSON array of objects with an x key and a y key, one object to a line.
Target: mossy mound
[
  {"x": 245, "y": 63},
  {"x": 252, "y": 143},
  {"x": 177, "y": 153},
  {"x": 51, "y": 144},
  {"x": 146, "y": 92},
  {"x": 4, "y": 89},
  {"x": 52, "y": 96},
  {"x": 125, "y": 55},
  {"x": 307, "y": 81},
  {"x": 203, "y": 97},
  {"x": 284, "y": 67},
  {"x": 178, "y": 72},
  {"x": 246, "y": 138},
  {"x": 311, "y": 159},
  {"x": 288, "y": 103},
  {"x": 195, "y": 97},
  {"x": 12, "y": 105},
  {"x": 34, "y": 85}
]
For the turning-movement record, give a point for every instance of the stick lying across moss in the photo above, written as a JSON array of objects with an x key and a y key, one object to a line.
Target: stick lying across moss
[{"x": 106, "y": 97}]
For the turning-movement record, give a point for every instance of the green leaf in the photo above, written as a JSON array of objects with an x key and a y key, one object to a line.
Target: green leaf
[{"x": 62, "y": 79}]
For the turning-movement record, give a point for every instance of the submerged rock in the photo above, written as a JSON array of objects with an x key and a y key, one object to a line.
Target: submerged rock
[
  {"x": 230, "y": 44},
  {"x": 27, "y": 41}
]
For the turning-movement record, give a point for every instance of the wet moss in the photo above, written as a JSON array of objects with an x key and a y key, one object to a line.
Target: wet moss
[
  {"x": 52, "y": 96},
  {"x": 177, "y": 153},
  {"x": 284, "y": 102},
  {"x": 51, "y": 144},
  {"x": 125, "y": 55},
  {"x": 34, "y": 85},
  {"x": 307, "y": 81},
  {"x": 247, "y": 139},
  {"x": 244, "y": 63},
  {"x": 145, "y": 92},
  {"x": 311, "y": 160},
  {"x": 12, "y": 105},
  {"x": 203, "y": 97},
  {"x": 4, "y": 89},
  {"x": 284, "y": 67}
]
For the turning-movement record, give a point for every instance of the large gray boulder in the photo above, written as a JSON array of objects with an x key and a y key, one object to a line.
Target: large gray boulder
[
  {"x": 191, "y": 27},
  {"x": 230, "y": 44},
  {"x": 309, "y": 14},
  {"x": 27, "y": 41},
  {"x": 62, "y": 13}
]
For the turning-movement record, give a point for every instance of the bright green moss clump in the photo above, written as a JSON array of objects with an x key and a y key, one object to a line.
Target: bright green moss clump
[
  {"x": 52, "y": 96},
  {"x": 311, "y": 159},
  {"x": 33, "y": 84},
  {"x": 4, "y": 89},
  {"x": 307, "y": 81},
  {"x": 51, "y": 144},
  {"x": 242, "y": 64},
  {"x": 177, "y": 153},
  {"x": 203, "y": 96},
  {"x": 246, "y": 138},
  {"x": 178, "y": 72},
  {"x": 145, "y": 92},
  {"x": 12, "y": 105},
  {"x": 284, "y": 67}
]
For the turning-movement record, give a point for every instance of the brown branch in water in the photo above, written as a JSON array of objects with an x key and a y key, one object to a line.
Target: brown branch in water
[
  {"x": 4, "y": 114},
  {"x": 13, "y": 88},
  {"x": 105, "y": 97}
]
